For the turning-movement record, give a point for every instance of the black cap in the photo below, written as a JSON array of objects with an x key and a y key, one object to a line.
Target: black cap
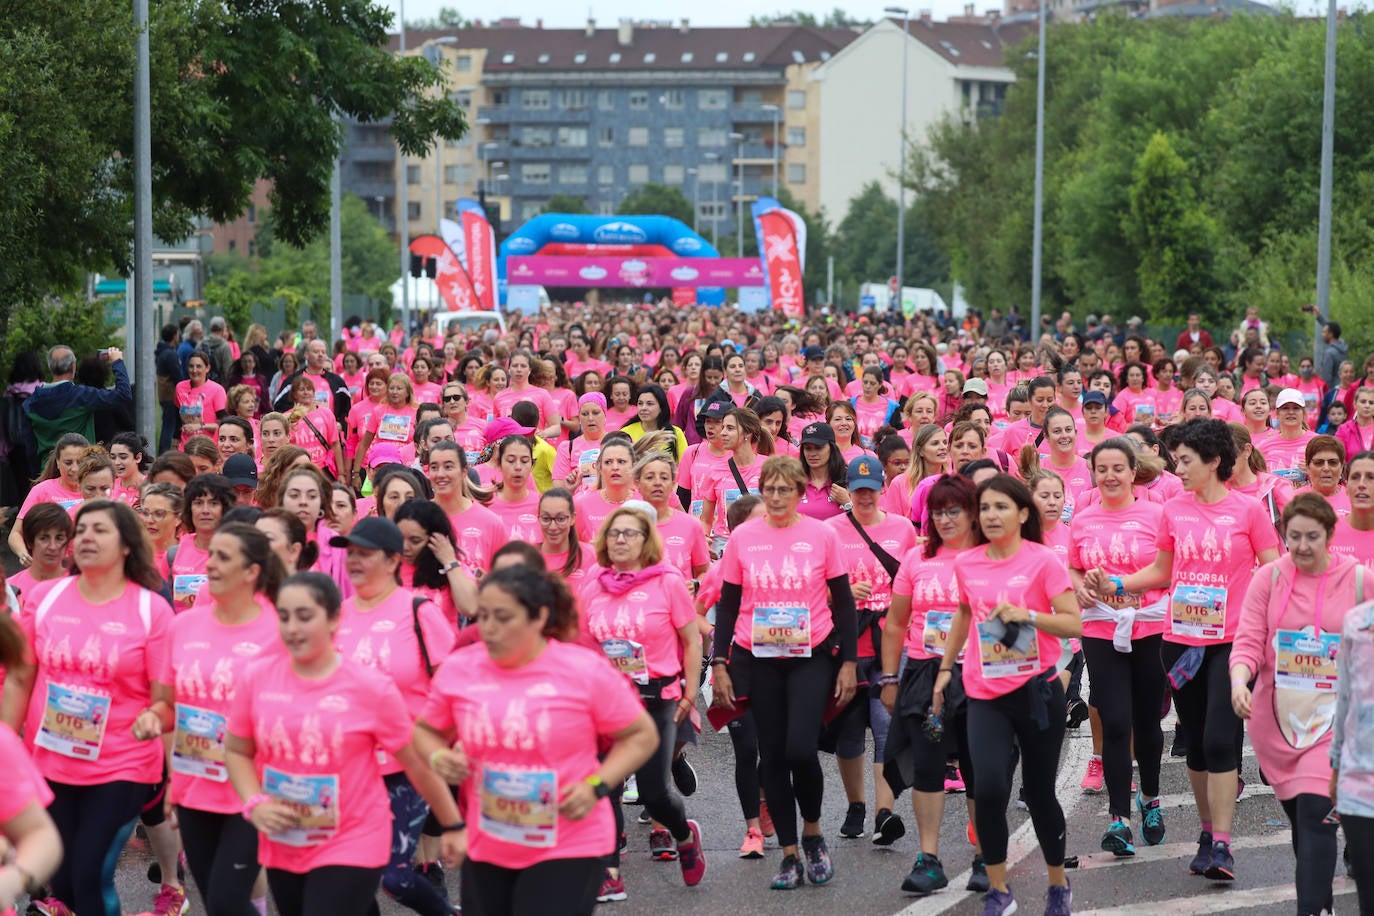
[
  {"x": 818, "y": 434},
  {"x": 241, "y": 470},
  {"x": 813, "y": 353},
  {"x": 1094, "y": 397},
  {"x": 373, "y": 534},
  {"x": 716, "y": 410}
]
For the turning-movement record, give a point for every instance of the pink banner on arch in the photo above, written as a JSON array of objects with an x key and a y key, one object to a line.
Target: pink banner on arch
[{"x": 537, "y": 270}]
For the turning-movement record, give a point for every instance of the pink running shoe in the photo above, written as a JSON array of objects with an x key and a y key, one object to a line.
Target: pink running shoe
[
  {"x": 954, "y": 782},
  {"x": 1092, "y": 780}
]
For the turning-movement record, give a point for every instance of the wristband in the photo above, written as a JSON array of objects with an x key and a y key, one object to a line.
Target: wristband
[
  {"x": 1033, "y": 615},
  {"x": 452, "y": 566},
  {"x": 434, "y": 754},
  {"x": 1119, "y": 583},
  {"x": 598, "y": 785},
  {"x": 888, "y": 680},
  {"x": 454, "y": 828},
  {"x": 719, "y": 661},
  {"x": 252, "y": 803}
]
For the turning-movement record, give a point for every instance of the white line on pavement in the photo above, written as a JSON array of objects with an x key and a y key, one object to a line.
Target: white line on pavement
[
  {"x": 1171, "y": 851},
  {"x": 1223, "y": 901}
]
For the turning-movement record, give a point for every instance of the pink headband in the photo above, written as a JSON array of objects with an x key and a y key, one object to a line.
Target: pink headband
[{"x": 593, "y": 397}]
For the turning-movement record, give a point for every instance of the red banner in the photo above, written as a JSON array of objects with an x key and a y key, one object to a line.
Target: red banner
[
  {"x": 779, "y": 242},
  {"x": 480, "y": 247},
  {"x": 454, "y": 286}
]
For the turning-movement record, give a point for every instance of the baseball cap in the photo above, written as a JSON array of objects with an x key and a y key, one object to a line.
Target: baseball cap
[
  {"x": 1094, "y": 397},
  {"x": 383, "y": 453},
  {"x": 372, "y": 534},
  {"x": 502, "y": 427},
  {"x": 976, "y": 386},
  {"x": 716, "y": 410},
  {"x": 1290, "y": 396},
  {"x": 241, "y": 471},
  {"x": 818, "y": 434},
  {"x": 865, "y": 473},
  {"x": 813, "y": 353}
]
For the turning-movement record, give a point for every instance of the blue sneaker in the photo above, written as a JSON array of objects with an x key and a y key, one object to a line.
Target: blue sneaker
[
  {"x": 998, "y": 903},
  {"x": 1057, "y": 900},
  {"x": 790, "y": 875},
  {"x": 1204, "y": 854},
  {"x": 1117, "y": 839},
  {"x": 1151, "y": 820},
  {"x": 1222, "y": 866},
  {"x": 819, "y": 868}
]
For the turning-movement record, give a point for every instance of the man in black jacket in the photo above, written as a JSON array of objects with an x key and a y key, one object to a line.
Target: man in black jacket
[
  {"x": 168, "y": 369},
  {"x": 327, "y": 384}
]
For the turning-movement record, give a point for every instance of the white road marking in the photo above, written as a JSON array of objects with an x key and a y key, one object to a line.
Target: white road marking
[
  {"x": 1171, "y": 851},
  {"x": 1221, "y": 901}
]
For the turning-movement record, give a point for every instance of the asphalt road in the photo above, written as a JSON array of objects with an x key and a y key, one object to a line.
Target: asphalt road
[{"x": 868, "y": 878}]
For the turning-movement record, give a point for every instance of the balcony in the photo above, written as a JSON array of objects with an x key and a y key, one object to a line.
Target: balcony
[
  {"x": 511, "y": 114},
  {"x": 518, "y": 152},
  {"x": 371, "y": 152}
]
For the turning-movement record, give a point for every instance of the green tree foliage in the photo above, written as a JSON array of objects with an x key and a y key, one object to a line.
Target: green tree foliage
[
  {"x": 566, "y": 203},
  {"x": 448, "y": 18},
  {"x": 865, "y": 243},
  {"x": 835, "y": 19},
  {"x": 657, "y": 199},
  {"x": 37, "y": 326}
]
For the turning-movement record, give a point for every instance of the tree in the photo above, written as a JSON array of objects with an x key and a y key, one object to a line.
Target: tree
[
  {"x": 865, "y": 243},
  {"x": 448, "y": 18},
  {"x": 657, "y": 200},
  {"x": 835, "y": 19},
  {"x": 566, "y": 203}
]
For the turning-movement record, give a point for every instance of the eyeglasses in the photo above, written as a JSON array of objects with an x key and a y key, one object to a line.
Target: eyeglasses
[
  {"x": 951, "y": 513},
  {"x": 778, "y": 491},
  {"x": 624, "y": 534},
  {"x": 455, "y": 397},
  {"x": 554, "y": 519},
  {"x": 156, "y": 515}
]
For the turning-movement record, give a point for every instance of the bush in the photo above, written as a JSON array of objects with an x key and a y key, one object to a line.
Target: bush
[{"x": 40, "y": 325}]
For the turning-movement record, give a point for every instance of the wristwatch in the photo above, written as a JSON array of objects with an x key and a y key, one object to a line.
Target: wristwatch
[
  {"x": 452, "y": 566},
  {"x": 598, "y": 786}
]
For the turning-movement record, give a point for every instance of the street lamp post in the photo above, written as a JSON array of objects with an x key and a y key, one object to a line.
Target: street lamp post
[
  {"x": 715, "y": 215},
  {"x": 1324, "y": 190},
  {"x": 696, "y": 196},
  {"x": 777, "y": 113},
  {"x": 905, "y": 13},
  {"x": 1038, "y": 229},
  {"x": 403, "y": 200},
  {"x": 739, "y": 198}
]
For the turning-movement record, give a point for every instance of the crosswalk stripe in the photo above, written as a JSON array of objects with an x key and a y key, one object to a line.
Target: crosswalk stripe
[
  {"x": 1224, "y": 901},
  {"x": 1172, "y": 851}
]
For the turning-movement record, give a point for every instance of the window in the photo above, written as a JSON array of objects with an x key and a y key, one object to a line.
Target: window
[
  {"x": 674, "y": 98},
  {"x": 572, "y": 136},
  {"x": 687, "y": 57},
  {"x": 796, "y": 173},
  {"x": 722, "y": 56},
  {"x": 535, "y": 173},
  {"x": 713, "y": 172},
  {"x": 639, "y": 99},
  {"x": 529, "y": 209},
  {"x": 536, "y": 137},
  {"x": 796, "y": 99},
  {"x": 673, "y": 136},
  {"x": 252, "y": 213},
  {"x": 544, "y": 58},
  {"x": 572, "y": 174},
  {"x": 605, "y": 100},
  {"x": 639, "y": 174},
  {"x": 535, "y": 99},
  {"x": 714, "y": 212},
  {"x": 500, "y": 98},
  {"x": 572, "y": 99},
  {"x": 413, "y": 210},
  {"x": 605, "y": 136},
  {"x": 798, "y": 57},
  {"x": 650, "y": 57},
  {"x": 451, "y": 173},
  {"x": 713, "y": 99},
  {"x": 508, "y": 58},
  {"x": 464, "y": 63},
  {"x": 605, "y": 174},
  {"x": 796, "y": 136},
  {"x": 412, "y": 174},
  {"x": 615, "y": 57},
  {"x": 639, "y": 136},
  {"x": 674, "y": 174},
  {"x": 751, "y": 97},
  {"x": 749, "y": 57},
  {"x": 462, "y": 98},
  {"x": 580, "y": 57},
  {"x": 711, "y": 136}
]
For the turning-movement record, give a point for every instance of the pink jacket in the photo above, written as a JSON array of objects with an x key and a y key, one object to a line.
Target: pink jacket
[
  {"x": 1348, "y": 434},
  {"x": 1292, "y": 603}
]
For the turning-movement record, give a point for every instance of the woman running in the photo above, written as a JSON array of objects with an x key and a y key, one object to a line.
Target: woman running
[
  {"x": 612, "y": 485},
  {"x": 206, "y": 499},
  {"x": 563, "y": 552},
  {"x": 575, "y": 464},
  {"x": 750, "y": 445},
  {"x": 432, "y": 565}
]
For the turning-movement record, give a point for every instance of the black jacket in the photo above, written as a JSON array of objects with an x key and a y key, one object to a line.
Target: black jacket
[{"x": 343, "y": 401}]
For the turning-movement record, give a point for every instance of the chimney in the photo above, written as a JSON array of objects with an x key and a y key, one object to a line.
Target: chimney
[
  {"x": 925, "y": 16},
  {"x": 685, "y": 27},
  {"x": 969, "y": 10},
  {"x": 591, "y": 28},
  {"x": 625, "y": 33},
  {"x": 539, "y": 23}
]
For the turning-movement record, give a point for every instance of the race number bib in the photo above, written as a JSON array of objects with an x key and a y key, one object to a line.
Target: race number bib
[
  {"x": 198, "y": 744},
  {"x": 1198, "y": 611},
  {"x": 186, "y": 587},
  {"x": 782, "y": 632},
  {"x": 191, "y": 413},
  {"x": 394, "y": 428},
  {"x": 695, "y": 508},
  {"x": 520, "y": 806},
  {"x": 586, "y": 464},
  {"x": 1001, "y": 661},
  {"x": 935, "y": 634},
  {"x": 628, "y": 658},
  {"x": 1306, "y": 661},
  {"x": 74, "y": 722},
  {"x": 313, "y": 799}
]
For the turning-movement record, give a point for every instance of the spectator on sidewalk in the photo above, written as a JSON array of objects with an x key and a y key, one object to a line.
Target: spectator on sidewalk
[{"x": 63, "y": 406}]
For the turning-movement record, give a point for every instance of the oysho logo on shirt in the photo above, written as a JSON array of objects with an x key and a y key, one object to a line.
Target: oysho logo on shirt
[
  {"x": 246, "y": 649},
  {"x": 113, "y": 628},
  {"x": 542, "y": 689},
  {"x": 639, "y": 596},
  {"x": 1018, "y": 581},
  {"x": 802, "y": 547},
  {"x": 334, "y": 703},
  {"x": 384, "y": 626},
  {"x": 1132, "y": 526},
  {"x": 1225, "y": 520}
]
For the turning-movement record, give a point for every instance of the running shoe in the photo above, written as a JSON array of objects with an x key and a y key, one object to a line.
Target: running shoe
[
  {"x": 433, "y": 872},
  {"x": 954, "y": 780},
  {"x": 171, "y": 901},
  {"x": 998, "y": 903},
  {"x": 624, "y": 843},
  {"x": 1204, "y": 854},
  {"x": 612, "y": 889},
  {"x": 691, "y": 857},
  {"x": 1057, "y": 899},
  {"x": 971, "y": 834},
  {"x": 1118, "y": 840},
  {"x": 1222, "y": 866},
  {"x": 1092, "y": 782},
  {"x": 927, "y": 876},
  {"x": 853, "y": 826},
  {"x": 1180, "y": 745},
  {"x": 790, "y": 876},
  {"x": 155, "y": 870},
  {"x": 752, "y": 847},
  {"x": 684, "y": 777},
  {"x": 887, "y": 828},
  {"x": 978, "y": 876},
  {"x": 819, "y": 869},
  {"x": 630, "y": 794},
  {"x": 1151, "y": 820},
  {"x": 51, "y": 906},
  {"x": 661, "y": 846},
  {"x": 1077, "y": 713},
  {"x": 765, "y": 820},
  {"x": 644, "y": 817}
]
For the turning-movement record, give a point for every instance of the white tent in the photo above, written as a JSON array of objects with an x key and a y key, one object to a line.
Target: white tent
[{"x": 424, "y": 294}]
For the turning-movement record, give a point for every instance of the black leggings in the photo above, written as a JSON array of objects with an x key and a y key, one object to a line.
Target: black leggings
[
  {"x": 995, "y": 727},
  {"x": 744, "y": 737},
  {"x": 1314, "y": 846},
  {"x": 1359, "y": 838},
  {"x": 94, "y": 823},
  {"x": 330, "y": 890},
  {"x": 1204, "y": 710},
  {"x": 222, "y": 853},
  {"x": 1127, "y": 690},
  {"x": 789, "y": 696},
  {"x": 654, "y": 780},
  {"x": 530, "y": 891}
]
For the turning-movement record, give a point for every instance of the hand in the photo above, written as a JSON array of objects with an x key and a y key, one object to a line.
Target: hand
[
  {"x": 1010, "y": 613},
  {"x": 1096, "y": 581},
  {"x": 11, "y": 887},
  {"x": 578, "y": 800},
  {"x": 453, "y": 847},
  {"x": 846, "y": 682},
  {"x": 115, "y": 354},
  {"x": 442, "y": 548},
  {"x": 839, "y": 495},
  {"x": 684, "y": 709},
  {"x": 723, "y": 689},
  {"x": 452, "y": 765},
  {"x": 271, "y": 817},
  {"x": 1240, "y": 700},
  {"x": 861, "y": 590},
  {"x": 937, "y": 698},
  {"x": 1084, "y": 596},
  {"x": 574, "y": 479},
  {"x": 147, "y": 726},
  {"x": 889, "y": 698},
  {"x": 24, "y": 558}
]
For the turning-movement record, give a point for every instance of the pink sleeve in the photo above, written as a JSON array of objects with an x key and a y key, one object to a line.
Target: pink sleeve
[
  {"x": 241, "y": 712},
  {"x": 1057, "y": 580},
  {"x": 1262, "y": 533},
  {"x": 680, "y": 609},
  {"x": 438, "y": 711},
  {"x": 1165, "y": 539},
  {"x": 391, "y": 722},
  {"x": 25, "y": 784},
  {"x": 1252, "y": 633},
  {"x": 562, "y": 462},
  {"x": 730, "y": 570},
  {"x": 701, "y": 553},
  {"x": 684, "y": 470},
  {"x": 159, "y": 649}
]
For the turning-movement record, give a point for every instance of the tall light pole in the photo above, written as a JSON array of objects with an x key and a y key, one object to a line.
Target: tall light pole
[
  {"x": 439, "y": 146},
  {"x": 696, "y": 196},
  {"x": 403, "y": 201},
  {"x": 905, "y": 13},
  {"x": 1038, "y": 230},
  {"x": 1324, "y": 195},
  {"x": 777, "y": 112},
  {"x": 739, "y": 199},
  {"x": 138, "y": 290},
  {"x": 715, "y": 215}
]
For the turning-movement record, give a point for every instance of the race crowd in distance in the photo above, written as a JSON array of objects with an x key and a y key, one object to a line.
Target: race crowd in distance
[{"x": 402, "y": 603}]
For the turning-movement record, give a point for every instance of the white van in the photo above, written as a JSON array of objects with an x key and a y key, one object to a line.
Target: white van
[{"x": 469, "y": 322}]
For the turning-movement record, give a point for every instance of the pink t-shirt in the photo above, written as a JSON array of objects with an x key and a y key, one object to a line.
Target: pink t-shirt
[
  {"x": 395, "y": 425},
  {"x": 23, "y": 581},
  {"x": 519, "y": 518},
  {"x": 1077, "y": 477},
  {"x": 23, "y": 784},
  {"x": 723, "y": 489},
  {"x": 684, "y": 542},
  {"x": 1347, "y": 542},
  {"x": 698, "y": 464},
  {"x": 207, "y": 663},
  {"x": 199, "y": 405},
  {"x": 638, "y": 631},
  {"x": 479, "y": 533},
  {"x": 1121, "y": 542},
  {"x": 126, "y": 494},
  {"x": 428, "y": 393},
  {"x": 934, "y": 592},
  {"x": 321, "y": 447},
  {"x": 509, "y": 397},
  {"x": 529, "y": 732},
  {"x": 1030, "y": 578},
  {"x": 895, "y": 535},
  {"x": 384, "y": 638},
  {"x": 471, "y": 437},
  {"x": 358, "y": 416},
  {"x": 578, "y": 454},
  {"x": 783, "y": 573},
  {"x": 1167, "y": 405},
  {"x": 593, "y": 509},
  {"x": 1282, "y": 455},
  {"x": 315, "y": 748},
  {"x": 872, "y": 416},
  {"x": 96, "y": 665},
  {"x": 50, "y": 491},
  {"x": 1215, "y": 550},
  {"x": 577, "y": 578},
  {"x": 1138, "y": 406},
  {"x": 188, "y": 573}
]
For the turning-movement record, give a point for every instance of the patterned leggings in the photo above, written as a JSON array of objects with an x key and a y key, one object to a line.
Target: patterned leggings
[{"x": 400, "y": 880}]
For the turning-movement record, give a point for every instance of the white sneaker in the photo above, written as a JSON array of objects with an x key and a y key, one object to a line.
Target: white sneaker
[{"x": 630, "y": 794}]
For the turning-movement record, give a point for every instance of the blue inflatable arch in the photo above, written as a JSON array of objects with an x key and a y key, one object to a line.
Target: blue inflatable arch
[{"x": 671, "y": 233}]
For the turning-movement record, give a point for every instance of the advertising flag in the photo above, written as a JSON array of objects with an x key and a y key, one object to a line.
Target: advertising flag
[
  {"x": 478, "y": 252},
  {"x": 782, "y": 247}
]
